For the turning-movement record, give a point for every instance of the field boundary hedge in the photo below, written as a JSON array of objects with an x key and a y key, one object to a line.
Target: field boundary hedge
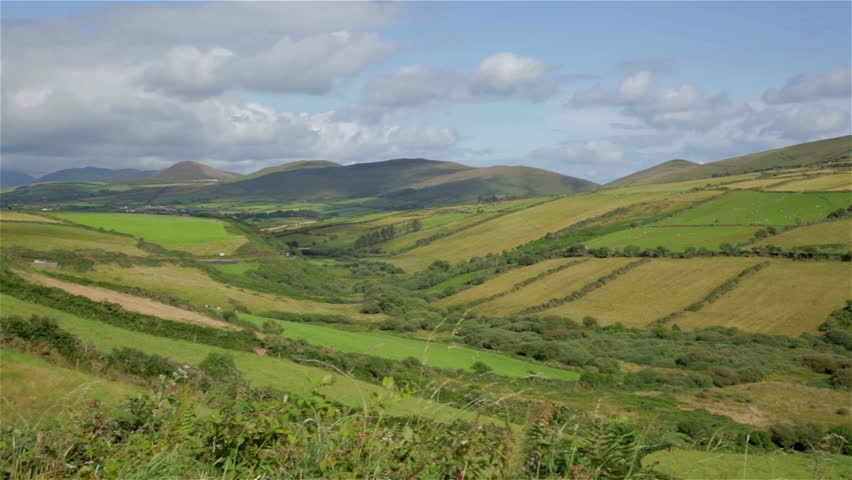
[{"x": 523, "y": 283}]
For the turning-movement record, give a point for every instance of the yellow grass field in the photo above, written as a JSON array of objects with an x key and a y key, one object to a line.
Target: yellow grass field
[
  {"x": 767, "y": 403},
  {"x": 653, "y": 291},
  {"x": 838, "y": 232},
  {"x": 518, "y": 228},
  {"x": 24, "y": 217},
  {"x": 553, "y": 286},
  {"x": 834, "y": 182},
  {"x": 195, "y": 286},
  {"x": 47, "y": 236},
  {"x": 504, "y": 281},
  {"x": 785, "y": 298},
  {"x": 756, "y": 183}
]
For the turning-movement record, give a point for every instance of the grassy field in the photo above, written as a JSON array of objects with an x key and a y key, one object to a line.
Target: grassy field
[
  {"x": 762, "y": 208},
  {"x": 682, "y": 186},
  {"x": 504, "y": 281},
  {"x": 654, "y": 290},
  {"x": 832, "y": 182},
  {"x": 36, "y": 391},
  {"x": 202, "y": 236},
  {"x": 785, "y": 298},
  {"x": 700, "y": 465},
  {"x": 767, "y": 403},
  {"x": 828, "y": 236},
  {"x": 236, "y": 268},
  {"x": 24, "y": 217},
  {"x": 260, "y": 370},
  {"x": 46, "y": 236},
  {"x": 557, "y": 285},
  {"x": 196, "y": 287},
  {"x": 676, "y": 239},
  {"x": 514, "y": 229},
  {"x": 434, "y": 354}
]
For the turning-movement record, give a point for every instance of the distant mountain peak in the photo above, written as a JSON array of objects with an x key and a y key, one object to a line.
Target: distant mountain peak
[{"x": 190, "y": 171}]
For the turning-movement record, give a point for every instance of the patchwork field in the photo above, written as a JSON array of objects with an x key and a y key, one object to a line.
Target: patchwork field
[
  {"x": 676, "y": 239},
  {"x": 833, "y": 236},
  {"x": 653, "y": 290},
  {"x": 518, "y": 228},
  {"x": 785, "y": 298},
  {"x": 33, "y": 390},
  {"x": 201, "y": 236},
  {"x": 24, "y": 217},
  {"x": 833, "y": 182},
  {"x": 47, "y": 236},
  {"x": 503, "y": 282},
  {"x": 762, "y": 208},
  {"x": 434, "y": 354},
  {"x": 553, "y": 286},
  {"x": 260, "y": 370},
  {"x": 194, "y": 286}
]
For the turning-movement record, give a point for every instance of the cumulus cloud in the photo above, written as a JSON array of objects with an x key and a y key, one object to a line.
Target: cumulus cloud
[
  {"x": 805, "y": 87},
  {"x": 659, "y": 65},
  {"x": 503, "y": 76},
  {"x": 682, "y": 107},
  {"x": 149, "y": 85}
]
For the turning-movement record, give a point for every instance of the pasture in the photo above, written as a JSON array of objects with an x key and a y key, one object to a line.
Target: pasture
[
  {"x": 676, "y": 239},
  {"x": 785, "y": 298},
  {"x": 434, "y": 354},
  {"x": 557, "y": 285},
  {"x": 50, "y": 236},
  {"x": 503, "y": 282},
  {"x": 645, "y": 294},
  {"x": 833, "y": 236},
  {"x": 701, "y": 465},
  {"x": 832, "y": 182},
  {"x": 200, "y": 236},
  {"x": 260, "y": 370},
  {"x": 7, "y": 215},
  {"x": 196, "y": 287},
  {"x": 517, "y": 228},
  {"x": 36, "y": 391},
  {"x": 745, "y": 207}
]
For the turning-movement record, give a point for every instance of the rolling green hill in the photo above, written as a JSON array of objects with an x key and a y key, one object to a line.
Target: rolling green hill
[
  {"x": 289, "y": 167},
  {"x": 821, "y": 151},
  {"x": 189, "y": 172}
]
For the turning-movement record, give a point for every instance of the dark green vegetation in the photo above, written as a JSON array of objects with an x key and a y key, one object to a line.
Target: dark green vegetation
[
  {"x": 704, "y": 325},
  {"x": 95, "y": 174}
]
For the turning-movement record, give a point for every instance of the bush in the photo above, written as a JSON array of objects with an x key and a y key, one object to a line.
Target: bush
[
  {"x": 272, "y": 328},
  {"x": 220, "y": 367},
  {"x": 135, "y": 362}
]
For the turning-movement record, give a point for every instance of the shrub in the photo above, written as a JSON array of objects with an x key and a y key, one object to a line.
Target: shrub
[
  {"x": 272, "y": 328},
  {"x": 220, "y": 367}
]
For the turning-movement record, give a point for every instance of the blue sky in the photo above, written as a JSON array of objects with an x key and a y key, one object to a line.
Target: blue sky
[{"x": 590, "y": 89}]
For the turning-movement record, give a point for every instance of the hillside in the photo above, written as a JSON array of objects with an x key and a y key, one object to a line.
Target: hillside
[
  {"x": 96, "y": 174},
  {"x": 653, "y": 174},
  {"x": 290, "y": 167},
  {"x": 189, "y": 172},
  {"x": 821, "y": 151}
]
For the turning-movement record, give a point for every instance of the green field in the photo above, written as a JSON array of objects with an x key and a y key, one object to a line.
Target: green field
[
  {"x": 833, "y": 236},
  {"x": 434, "y": 354},
  {"x": 762, "y": 208},
  {"x": 52, "y": 236},
  {"x": 201, "y": 236},
  {"x": 509, "y": 231},
  {"x": 833, "y": 182},
  {"x": 785, "y": 298},
  {"x": 36, "y": 391},
  {"x": 654, "y": 290},
  {"x": 260, "y": 370},
  {"x": 700, "y": 465},
  {"x": 235, "y": 268},
  {"x": 676, "y": 239}
]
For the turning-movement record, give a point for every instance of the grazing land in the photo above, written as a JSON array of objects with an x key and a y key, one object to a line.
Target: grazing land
[
  {"x": 677, "y": 239},
  {"x": 833, "y": 236},
  {"x": 196, "y": 235},
  {"x": 786, "y": 298},
  {"x": 435, "y": 354},
  {"x": 44, "y": 236}
]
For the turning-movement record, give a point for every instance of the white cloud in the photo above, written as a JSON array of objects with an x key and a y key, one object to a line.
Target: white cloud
[
  {"x": 804, "y": 87},
  {"x": 499, "y": 77}
]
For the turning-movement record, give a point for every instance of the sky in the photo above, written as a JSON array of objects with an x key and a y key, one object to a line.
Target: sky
[{"x": 595, "y": 90}]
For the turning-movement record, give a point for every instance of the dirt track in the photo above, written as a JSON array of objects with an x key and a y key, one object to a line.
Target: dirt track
[{"x": 129, "y": 302}]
